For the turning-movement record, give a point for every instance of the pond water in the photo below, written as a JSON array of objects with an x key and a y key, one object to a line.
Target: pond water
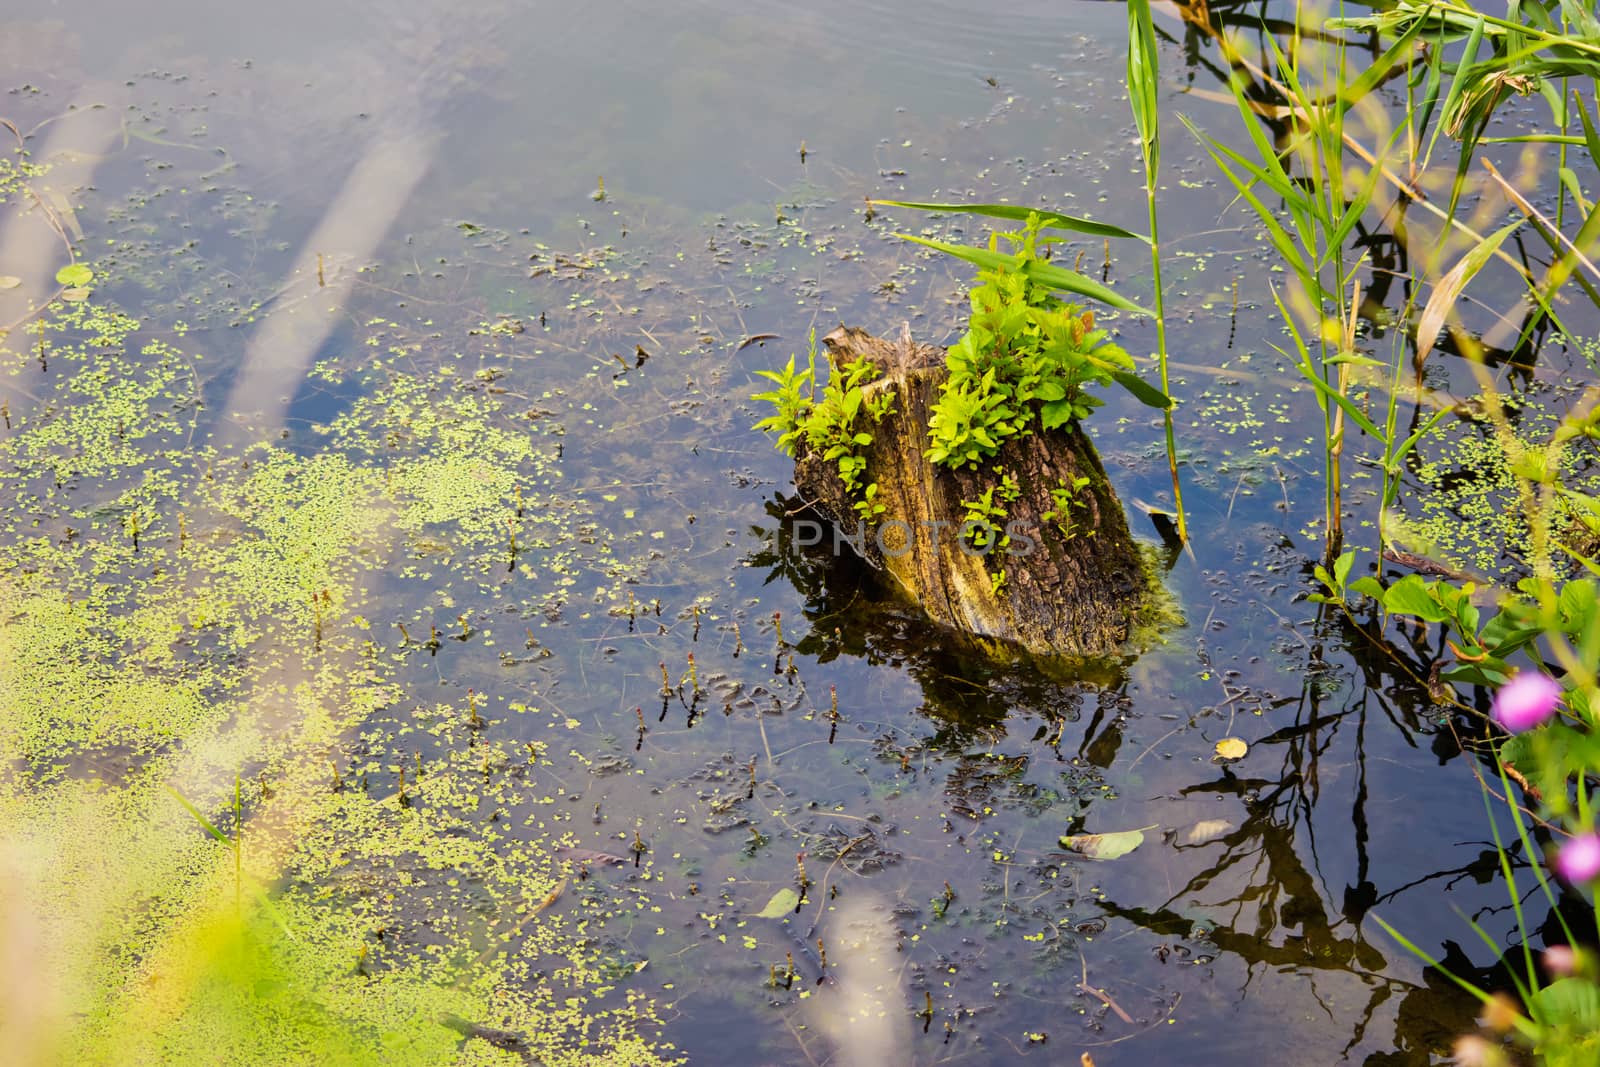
[{"x": 421, "y": 465}]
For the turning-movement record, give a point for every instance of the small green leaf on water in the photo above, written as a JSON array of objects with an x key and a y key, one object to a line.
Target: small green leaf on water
[
  {"x": 783, "y": 902},
  {"x": 9, "y": 281},
  {"x": 75, "y": 275},
  {"x": 75, "y": 294},
  {"x": 1105, "y": 846}
]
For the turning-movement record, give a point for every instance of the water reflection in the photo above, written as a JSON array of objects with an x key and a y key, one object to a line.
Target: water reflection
[{"x": 1272, "y": 869}]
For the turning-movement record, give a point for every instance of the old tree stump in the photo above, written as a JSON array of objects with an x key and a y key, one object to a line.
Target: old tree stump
[{"x": 1075, "y": 584}]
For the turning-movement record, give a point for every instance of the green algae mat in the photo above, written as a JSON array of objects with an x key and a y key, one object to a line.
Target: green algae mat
[{"x": 241, "y": 840}]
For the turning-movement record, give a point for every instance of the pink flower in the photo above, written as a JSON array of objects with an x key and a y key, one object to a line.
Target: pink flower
[
  {"x": 1526, "y": 701},
  {"x": 1560, "y": 961},
  {"x": 1579, "y": 859}
]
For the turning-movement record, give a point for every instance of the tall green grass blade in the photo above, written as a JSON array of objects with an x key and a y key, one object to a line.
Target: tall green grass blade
[
  {"x": 1523, "y": 990},
  {"x": 1514, "y": 35},
  {"x": 1589, "y": 564},
  {"x": 1379, "y": 69},
  {"x": 1433, "y": 85},
  {"x": 1458, "y": 85},
  {"x": 1301, "y": 348},
  {"x": 1320, "y": 139},
  {"x": 1462, "y": 20},
  {"x": 1282, "y": 242},
  {"x": 1516, "y": 900},
  {"x": 1590, "y": 137},
  {"x": 1358, "y": 204},
  {"x": 1272, "y": 177},
  {"x": 1018, "y": 213},
  {"x": 210, "y": 828},
  {"x": 1344, "y": 403},
  {"x": 1270, "y": 169},
  {"x": 1566, "y": 265},
  {"x": 1531, "y": 850},
  {"x": 1404, "y": 448},
  {"x": 1580, "y": 18},
  {"x": 1043, "y": 273},
  {"x": 1471, "y": 129},
  {"x": 1143, "y": 83},
  {"x": 1535, "y": 138},
  {"x": 205, "y": 823}
]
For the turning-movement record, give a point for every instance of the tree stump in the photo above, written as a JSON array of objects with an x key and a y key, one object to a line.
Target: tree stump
[{"x": 1075, "y": 584}]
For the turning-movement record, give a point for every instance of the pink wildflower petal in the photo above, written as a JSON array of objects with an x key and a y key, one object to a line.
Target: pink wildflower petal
[
  {"x": 1579, "y": 859},
  {"x": 1560, "y": 961},
  {"x": 1526, "y": 701}
]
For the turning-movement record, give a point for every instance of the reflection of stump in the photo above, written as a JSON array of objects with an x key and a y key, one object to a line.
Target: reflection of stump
[{"x": 1075, "y": 593}]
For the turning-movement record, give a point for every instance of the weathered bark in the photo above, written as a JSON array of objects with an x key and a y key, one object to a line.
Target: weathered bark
[{"x": 1077, "y": 595}]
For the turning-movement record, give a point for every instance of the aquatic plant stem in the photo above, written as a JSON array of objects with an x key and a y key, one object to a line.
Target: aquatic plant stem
[
  {"x": 1161, "y": 361},
  {"x": 1143, "y": 86}
]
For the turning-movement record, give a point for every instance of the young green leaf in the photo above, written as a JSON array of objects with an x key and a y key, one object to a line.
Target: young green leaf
[
  {"x": 1043, "y": 273},
  {"x": 1018, "y": 213},
  {"x": 1142, "y": 390}
]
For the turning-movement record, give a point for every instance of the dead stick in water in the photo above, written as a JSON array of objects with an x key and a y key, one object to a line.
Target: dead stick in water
[{"x": 1100, "y": 994}]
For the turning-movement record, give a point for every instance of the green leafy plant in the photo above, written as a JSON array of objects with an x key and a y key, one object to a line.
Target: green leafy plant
[
  {"x": 831, "y": 426},
  {"x": 965, "y": 427},
  {"x": 793, "y": 400},
  {"x": 1067, "y": 499},
  {"x": 971, "y": 414},
  {"x": 984, "y": 524},
  {"x": 1026, "y": 358}
]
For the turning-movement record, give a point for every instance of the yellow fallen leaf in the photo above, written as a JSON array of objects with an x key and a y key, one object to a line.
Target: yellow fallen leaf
[
  {"x": 1447, "y": 289},
  {"x": 1231, "y": 748},
  {"x": 1106, "y": 846}
]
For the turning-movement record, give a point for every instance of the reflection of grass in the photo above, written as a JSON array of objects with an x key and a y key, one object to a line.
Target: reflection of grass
[{"x": 188, "y": 657}]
